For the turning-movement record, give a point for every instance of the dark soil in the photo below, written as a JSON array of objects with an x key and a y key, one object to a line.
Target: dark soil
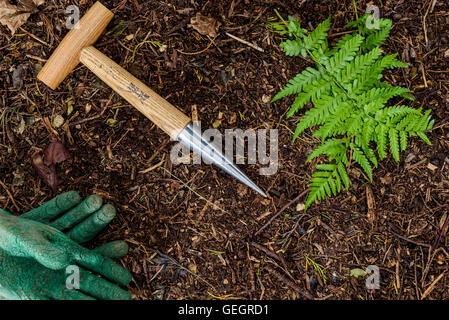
[{"x": 192, "y": 228}]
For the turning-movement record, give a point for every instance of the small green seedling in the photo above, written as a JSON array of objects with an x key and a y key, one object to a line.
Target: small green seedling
[{"x": 350, "y": 111}]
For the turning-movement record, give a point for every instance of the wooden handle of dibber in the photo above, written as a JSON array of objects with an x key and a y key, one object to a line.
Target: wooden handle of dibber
[
  {"x": 153, "y": 106},
  {"x": 67, "y": 55},
  {"x": 77, "y": 46}
]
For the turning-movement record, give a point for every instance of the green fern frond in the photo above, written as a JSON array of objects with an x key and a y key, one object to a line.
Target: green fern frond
[
  {"x": 403, "y": 136},
  {"x": 424, "y": 137},
  {"x": 303, "y": 42},
  {"x": 321, "y": 55},
  {"x": 352, "y": 70},
  {"x": 293, "y": 47},
  {"x": 345, "y": 55},
  {"x": 415, "y": 122},
  {"x": 350, "y": 111},
  {"x": 360, "y": 22},
  {"x": 318, "y": 36},
  {"x": 426, "y": 123},
  {"x": 310, "y": 92},
  {"x": 326, "y": 181},
  {"x": 371, "y": 156},
  {"x": 341, "y": 43},
  {"x": 370, "y": 76},
  {"x": 324, "y": 107},
  {"x": 362, "y": 160},
  {"x": 377, "y": 38},
  {"x": 367, "y": 132},
  {"x": 394, "y": 143},
  {"x": 390, "y": 62},
  {"x": 382, "y": 140},
  {"x": 400, "y": 111},
  {"x": 384, "y": 85},
  {"x": 343, "y": 175},
  {"x": 298, "y": 83},
  {"x": 334, "y": 149},
  {"x": 380, "y": 95},
  {"x": 294, "y": 28},
  {"x": 334, "y": 124}
]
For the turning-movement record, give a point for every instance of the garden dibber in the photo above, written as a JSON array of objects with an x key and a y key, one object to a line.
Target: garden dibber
[{"x": 77, "y": 46}]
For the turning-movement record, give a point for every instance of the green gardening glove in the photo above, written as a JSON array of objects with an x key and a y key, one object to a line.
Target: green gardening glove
[
  {"x": 36, "y": 236},
  {"x": 27, "y": 279}
]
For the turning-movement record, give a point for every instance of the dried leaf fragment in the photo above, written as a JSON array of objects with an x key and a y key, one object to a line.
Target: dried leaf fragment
[
  {"x": 58, "y": 121},
  {"x": 357, "y": 272},
  {"x": 370, "y": 203},
  {"x": 55, "y": 153},
  {"x": 48, "y": 174},
  {"x": 17, "y": 76},
  {"x": 300, "y": 206},
  {"x": 46, "y": 165},
  {"x": 13, "y": 16},
  {"x": 207, "y": 26}
]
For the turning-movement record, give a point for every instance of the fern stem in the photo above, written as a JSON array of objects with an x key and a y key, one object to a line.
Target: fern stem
[
  {"x": 280, "y": 17},
  {"x": 338, "y": 84},
  {"x": 355, "y": 9}
]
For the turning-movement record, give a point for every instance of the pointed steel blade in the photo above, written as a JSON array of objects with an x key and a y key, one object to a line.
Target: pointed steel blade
[{"x": 209, "y": 151}]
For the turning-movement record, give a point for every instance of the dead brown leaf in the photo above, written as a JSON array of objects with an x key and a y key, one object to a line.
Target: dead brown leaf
[
  {"x": 207, "y": 26},
  {"x": 55, "y": 153},
  {"x": 48, "y": 174},
  {"x": 46, "y": 165},
  {"x": 13, "y": 16}
]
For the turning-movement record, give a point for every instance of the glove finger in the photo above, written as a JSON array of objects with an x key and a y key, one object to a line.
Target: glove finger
[
  {"x": 102, "y": 265},
  {"x": 49, "y": 255},
  {"x": 89, "y": 228},
  {"x": 91, "y": 204},
  {"x": 54, "y": 207},
  {"x": 4, "y": 212},
  {"x": 44, "y": 249},
  {"x": 101, "y": 288},
  {"x": 114, "y": 250},
  {"x": 69, "y": 294}
]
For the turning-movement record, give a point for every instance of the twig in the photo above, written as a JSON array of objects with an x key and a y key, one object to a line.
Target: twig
[
  {"x": 35, "y": 58},
  {"x": 288, "y": 234},
  {"x": 340, "y": 34},
  {"x": 266, "y": 250},
  {"x": 176, "y": 263},
  {"x": 423, "y": 71},
  {"x": 201, "y": 214},
  {"x": 416, "y": 279},
  {"x": 154, "y": 167},
  {"x": 10, "y": 195},
  {"x": 198, "y": 52},
  {"x": 251, "y": 278},
  {"x": 429, "y": 261},
  {"x": 432, "y": 286},
  {"x": 443, "y": 230},
  {"x": 199, "y": 195},
  {"x": 249, "y": 44},
  {"x": 279, "y": 212},
  {"x": 34, "y": 37},
  {"x": 416, "y": 164},
  {"x": 290, "y": 283},
  {"x": 273, "y": 255},
  {"x": 302, "y": 2},
  {"x": 95, "y": 116},
  {"x": 431, "y": 6},
  {"x": 409, "y": 240}
]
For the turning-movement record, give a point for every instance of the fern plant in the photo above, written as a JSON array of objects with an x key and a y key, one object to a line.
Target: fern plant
[{"x": 350, "y": 111}]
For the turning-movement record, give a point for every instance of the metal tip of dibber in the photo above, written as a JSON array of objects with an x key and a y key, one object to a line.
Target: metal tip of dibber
[{"x": 193, "y": 139}]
